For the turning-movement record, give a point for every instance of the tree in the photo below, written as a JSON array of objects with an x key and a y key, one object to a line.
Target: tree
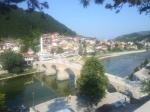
[
  {"x": 60, "y": 50},
  {"x": 136, "y": 69},
  {"x": 146, "y": 86},
  {"x": 146, "y": 62},
  {"x": 7, "y": 5},
  {"x": 139, "y": 45},
  {"x": 109, "y": 47},
  {"x": 97, "y": 42},
  {"x": 11, "y": 61},
  {"x": 24, "y": 48},
  {"x": 141, "y": 65},
  {"x": 84, "y": 47},
  {"x": 3, "y": 107},
  {"x": 52, "y": 51},
  {"x": 142, "y": 5},
  {"x": 93, "y": 82},
  {"x": 80, "y": 50}
]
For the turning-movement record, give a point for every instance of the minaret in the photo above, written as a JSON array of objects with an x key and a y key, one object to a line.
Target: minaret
[{"x": 41, "y": 42}]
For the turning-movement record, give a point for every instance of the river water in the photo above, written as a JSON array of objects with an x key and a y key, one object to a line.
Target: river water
[
  {"x": 17, "y": 93},
  {"x": 124, "y": 65}
]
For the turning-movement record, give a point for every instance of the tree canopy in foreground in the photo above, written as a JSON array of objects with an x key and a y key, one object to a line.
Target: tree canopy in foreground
[
  {"x": 11, "y": 61},
  {"x": 146, "y": 86},
  {"x": 142, "y": 5},
  {"x": 93, "y": 82},
  {"x": 3, "y": 107}
]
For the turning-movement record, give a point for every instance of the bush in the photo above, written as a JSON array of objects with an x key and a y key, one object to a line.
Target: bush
[{"x": 17, "y": 70}]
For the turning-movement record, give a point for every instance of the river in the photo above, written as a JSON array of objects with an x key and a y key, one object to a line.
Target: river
[
  {"x": 17, "y": 93},
  {"x": 125, "y": 64}
]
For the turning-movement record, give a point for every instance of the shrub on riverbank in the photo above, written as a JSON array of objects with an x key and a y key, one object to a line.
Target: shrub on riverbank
[
  {"x": 3, "y": 107},
  {"x": 143, "y": 64},
  {"x": 11, "y": 61},
  {"x": 14, "y": 75}
]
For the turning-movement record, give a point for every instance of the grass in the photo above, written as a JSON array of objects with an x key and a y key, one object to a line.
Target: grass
[
  {"x": 12, "y": 74},
  {"x": 29, "y": 71},
  {"x": 6, "y": 75}
]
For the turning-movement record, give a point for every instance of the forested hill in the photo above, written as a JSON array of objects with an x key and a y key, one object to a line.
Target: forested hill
[
  {"x": 135, "y": 37},
  {"x": 19, "y": 24}
]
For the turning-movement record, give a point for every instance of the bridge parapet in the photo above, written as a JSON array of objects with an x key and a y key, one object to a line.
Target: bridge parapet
[{"x": 61, "y": 68}]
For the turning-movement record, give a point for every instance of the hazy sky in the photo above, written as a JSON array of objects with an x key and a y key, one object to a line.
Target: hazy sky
[{"x": 95, "y": 20}]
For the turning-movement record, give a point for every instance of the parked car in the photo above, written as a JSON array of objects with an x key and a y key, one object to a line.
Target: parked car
[
  {"x": 120, "y": 103},
  {"x": 66, "y": 110},
  {"x": 105, "y": 108}
]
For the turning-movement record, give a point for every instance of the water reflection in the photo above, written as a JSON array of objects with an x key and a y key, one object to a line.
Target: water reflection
[
  {"x": 71, "y": 79},
  {"x": 61, "y": 88},
  {"x": 44, "y": 87}
]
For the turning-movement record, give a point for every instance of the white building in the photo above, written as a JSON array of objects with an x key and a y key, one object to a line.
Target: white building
[{"x": 43, "y": 55}]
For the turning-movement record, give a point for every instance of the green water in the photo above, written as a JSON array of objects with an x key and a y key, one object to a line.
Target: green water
[{"x": 43, "y": 88}]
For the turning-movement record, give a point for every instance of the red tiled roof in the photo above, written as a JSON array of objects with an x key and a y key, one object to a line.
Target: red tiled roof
[
  {"x": 26, "y": 55},
  {"x": 9, "y": 41},
  {"x": 30, "y": 50}
]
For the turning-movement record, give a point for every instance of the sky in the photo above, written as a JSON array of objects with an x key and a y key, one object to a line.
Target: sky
[{"x": 95, "y": 20}]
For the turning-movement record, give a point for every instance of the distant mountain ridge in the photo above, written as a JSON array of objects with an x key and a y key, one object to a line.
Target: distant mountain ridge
[
  {"x": 135, "y": 37},
  {"x": 143, "y": 32}
]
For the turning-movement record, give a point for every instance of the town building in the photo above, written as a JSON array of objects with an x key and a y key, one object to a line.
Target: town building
[{"x": 29, "y": 57}]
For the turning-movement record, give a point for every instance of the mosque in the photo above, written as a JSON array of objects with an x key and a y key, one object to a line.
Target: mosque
[{"x": 44, "y": 55}]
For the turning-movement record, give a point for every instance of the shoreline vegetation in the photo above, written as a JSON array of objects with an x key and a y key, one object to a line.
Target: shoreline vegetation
[
  {"x": 80, "y": 59},
  {"x": 10, "y": 76}
]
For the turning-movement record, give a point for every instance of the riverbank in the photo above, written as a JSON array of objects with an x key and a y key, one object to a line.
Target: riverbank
[
  {"x": 79, "y": 59},
  {"x": 19, "y": 75},
  {"x": 120, "y": 53}
]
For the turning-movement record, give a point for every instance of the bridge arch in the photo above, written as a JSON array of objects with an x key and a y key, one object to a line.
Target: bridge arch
[
  {"x": 53, "y": 70},
  {"x": 111, "y": 88},
  {"x": 37, "y": 66},
  {"x": 43, "y": 67},
  {"x": 117, "y": 86},
  {"x": 50, "y": 69},
  {"x": 54, "y": 67},
  {"x": 72, "y": 78}
]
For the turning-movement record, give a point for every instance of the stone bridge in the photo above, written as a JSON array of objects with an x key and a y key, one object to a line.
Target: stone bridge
[{"x": 65, "y": 70}]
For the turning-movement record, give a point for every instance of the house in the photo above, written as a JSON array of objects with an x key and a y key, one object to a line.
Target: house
[
  {"x": 77, "y": 39},
  {"x": 89, "y": 50},
  {"x": 92, "y": 42},
  {"x": 98, "y": 47},
  {"x": 121, "y": 45},
  {"x": 16, "y": 49},
  {"x": 55, "y": 35},
  {"x": 105, "y": 48},
  {"x": 131, "y": 47},
  {"x": 30, "y": 57},
  {"x": 75, "y": 46},
  {"x": 9, "y": 43}
]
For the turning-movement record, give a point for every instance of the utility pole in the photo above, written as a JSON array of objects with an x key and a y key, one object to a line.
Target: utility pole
[{"x": 33, "y": 99}]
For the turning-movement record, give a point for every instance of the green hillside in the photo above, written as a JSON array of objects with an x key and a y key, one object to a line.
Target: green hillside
[
  {"x": 135, "y": 37},
  {"x": 19, "y": 24}
]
